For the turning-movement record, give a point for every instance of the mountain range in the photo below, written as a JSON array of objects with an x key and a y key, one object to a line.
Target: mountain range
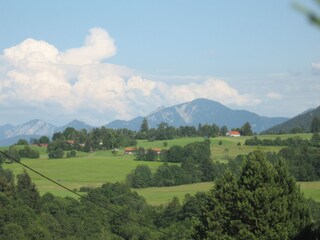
[
  {"x": 36, "y": 128},
  {"x": 199, "y": 111}
]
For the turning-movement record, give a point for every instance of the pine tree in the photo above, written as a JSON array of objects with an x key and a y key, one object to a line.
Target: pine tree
[
  {"x": 7, "y": 182},
  {"x": 144, "y": 126},
  {"x": 262, "y": 203},
  {"x": 27, "y": 191},
  {"x": 246, "y": 129}
]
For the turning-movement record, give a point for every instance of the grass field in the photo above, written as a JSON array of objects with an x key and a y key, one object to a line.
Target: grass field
[
  {"x": 228, "y": 149},
  {"x": 94, "y": 169},
  {"x": 90, "y": 170},
  {"x": 162, "y": 195},
  {"x": 311, "y": 190}
]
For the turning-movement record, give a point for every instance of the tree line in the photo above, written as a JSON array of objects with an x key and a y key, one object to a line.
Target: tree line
[
  {"x": 13, "y": 151},
  {"x": 195, "y": 166},
  {"x": 165, "y": 132},
  {"x": 104, "y": 138},
  {"x": 72, "y": 140}
]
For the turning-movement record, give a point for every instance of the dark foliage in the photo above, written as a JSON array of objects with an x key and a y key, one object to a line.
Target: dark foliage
[
  {"x": 27, "y": 152},
  {"x": 261, "y": 203}
]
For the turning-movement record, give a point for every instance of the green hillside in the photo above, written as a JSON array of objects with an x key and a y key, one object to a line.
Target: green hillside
[{"x": 302, "y": 121}]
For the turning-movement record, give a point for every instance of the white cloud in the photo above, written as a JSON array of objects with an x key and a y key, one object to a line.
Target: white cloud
[
  {"x": 31, "y": 53},
  {"x": 77, "y": 81},
  {"x": 98, "y": 46},
  {"x": 214, "y": 89},
  {"x": 274, "y": 95},
  {"x": 143, "y": 85}
]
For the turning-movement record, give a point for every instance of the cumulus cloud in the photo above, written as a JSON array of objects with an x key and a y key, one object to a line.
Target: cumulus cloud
[
  {"x": 143, "y": 85},
  {"x": 215, "y": 89},
  {"x": 98, "y": 46},
  {"x": 30, "y": 53},
  {"x": 78, "y": 80},
  {"x": 274, "y": 95}
]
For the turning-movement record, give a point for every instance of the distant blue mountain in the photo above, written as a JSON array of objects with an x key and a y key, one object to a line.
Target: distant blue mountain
[
  {"x": 4, "y": 129},
  {"x": 76, "y": 124},
  {"x": 133, "y": 124},
  {"x": 201, "y": 111},
  {"x": 12, "y": 140},
  {"x": 34, "y": 129}
]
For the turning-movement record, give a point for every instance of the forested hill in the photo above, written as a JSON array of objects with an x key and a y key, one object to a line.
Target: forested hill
[
  {"x": 300, "y": 123},
  {"x": 201, "y": 111}
]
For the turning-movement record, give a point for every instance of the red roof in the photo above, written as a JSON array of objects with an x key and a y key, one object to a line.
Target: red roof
[
  {"x": 234, "y": 133},
  {"x": 130, "y": 149}
]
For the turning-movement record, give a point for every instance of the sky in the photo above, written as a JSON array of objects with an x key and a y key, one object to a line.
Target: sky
[{"x": 98, "y": 61}]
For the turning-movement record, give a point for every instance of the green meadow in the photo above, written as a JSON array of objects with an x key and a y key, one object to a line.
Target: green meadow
[
  {"x": 94, "y": 169},
  {"x": 90, "y": 170},
  {"x": 162, "y": 195}
]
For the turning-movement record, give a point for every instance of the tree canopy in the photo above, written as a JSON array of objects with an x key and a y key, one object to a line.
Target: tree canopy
[{"x": 264, "y": 202}]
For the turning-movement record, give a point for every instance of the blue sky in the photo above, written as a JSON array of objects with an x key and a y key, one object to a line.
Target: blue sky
[{"x": 262, "y": 56}]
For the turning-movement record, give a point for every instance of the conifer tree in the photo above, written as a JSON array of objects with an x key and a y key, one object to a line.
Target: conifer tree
[
  {"x": 144, "y": 126},
  {"x": 262, "y": 203},
  {"x": 27, "y": 191},
  {"x": 246, "y": 129}
]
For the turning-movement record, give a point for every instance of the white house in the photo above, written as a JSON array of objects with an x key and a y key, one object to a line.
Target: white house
[{"x": 233, "y": 134}]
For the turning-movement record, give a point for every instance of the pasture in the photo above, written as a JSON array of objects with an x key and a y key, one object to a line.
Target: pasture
[
  {"x": 94, "y": 169},
  {"x": 90, "y": 170},
  {"x": 162, "y": 195}
]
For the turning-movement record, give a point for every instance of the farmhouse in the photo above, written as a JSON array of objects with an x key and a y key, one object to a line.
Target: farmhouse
[
  {"x": 233, "y": 134},
  {"x": 129, "y": 150}
]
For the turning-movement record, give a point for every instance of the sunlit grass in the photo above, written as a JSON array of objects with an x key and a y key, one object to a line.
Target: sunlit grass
[
  {"x": 162, "y": 195},
  {"x": 311, "y": 190},
  {"x": 90, "y": 171}
]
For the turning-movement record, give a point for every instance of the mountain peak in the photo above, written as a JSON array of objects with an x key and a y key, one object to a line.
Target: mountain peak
[
  {"x": 202, "y": 111},
  {"x": 205, "y": 100},
  {"x": 32, "y": 127},
  {"x": 76, "y": 124}
]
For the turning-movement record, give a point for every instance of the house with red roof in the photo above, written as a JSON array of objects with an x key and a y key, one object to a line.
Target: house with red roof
[
  {"x": 129, "y": 150},
  {"x": 233, "y": 134}
]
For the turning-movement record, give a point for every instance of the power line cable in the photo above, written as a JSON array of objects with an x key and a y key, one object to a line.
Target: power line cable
[{"x": 83, "y": 197}]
